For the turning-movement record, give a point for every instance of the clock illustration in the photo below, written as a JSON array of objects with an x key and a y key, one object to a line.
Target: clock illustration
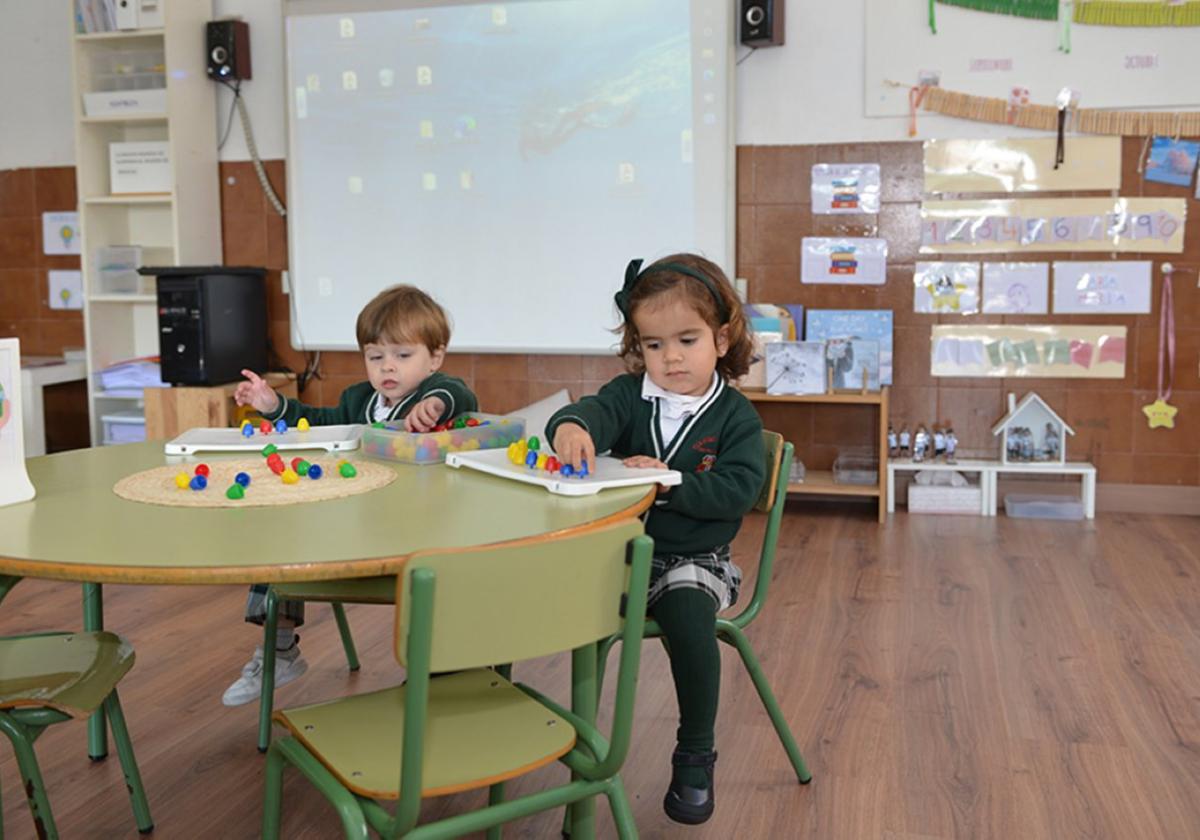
[{"x": 795, "y": 367}]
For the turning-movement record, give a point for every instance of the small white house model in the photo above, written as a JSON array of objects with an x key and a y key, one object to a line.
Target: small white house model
[{"x": 1032, "y": 432}]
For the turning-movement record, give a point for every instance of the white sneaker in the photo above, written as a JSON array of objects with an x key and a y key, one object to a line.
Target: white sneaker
[{"x": 289, "y": 665}]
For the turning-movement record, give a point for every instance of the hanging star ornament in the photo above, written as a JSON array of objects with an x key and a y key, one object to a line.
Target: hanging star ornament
[{"x": 1160, "y": 413}]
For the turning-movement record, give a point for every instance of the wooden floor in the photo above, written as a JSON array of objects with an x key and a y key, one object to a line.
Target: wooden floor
[{"x": 946, "y": 678}]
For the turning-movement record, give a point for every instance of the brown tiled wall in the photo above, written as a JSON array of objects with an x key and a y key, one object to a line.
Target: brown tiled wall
[
  {"x": 24, "y": 286},
  {"x": 773, "y": 214}
]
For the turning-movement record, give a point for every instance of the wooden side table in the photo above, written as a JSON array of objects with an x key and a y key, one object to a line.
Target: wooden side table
[{"x": 172, "y": 411}]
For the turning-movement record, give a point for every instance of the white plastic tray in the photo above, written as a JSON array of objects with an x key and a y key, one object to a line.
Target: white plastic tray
[
  {"x": 329, "y": 438},
  {"x": 609, "y": 472}
]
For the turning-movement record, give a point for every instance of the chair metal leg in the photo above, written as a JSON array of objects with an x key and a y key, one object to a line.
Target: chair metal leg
[
  {"x": 31, "y": 777},
  {"x": 354, "y": 822},
  {"x": 266, "y": 698},
  {"x": 622, "y": 812},
  {"x": 93, "y": 621},
  {"x": 495, "y": 797},
  {"x": 731, "y": 634},
  {"x": 339, "y": 615},
  {"x": 272, "y": 795},
  {"x": 133, "y": 778}
]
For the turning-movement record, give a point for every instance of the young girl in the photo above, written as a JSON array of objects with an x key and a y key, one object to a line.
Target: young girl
[{"x": 684, "y": 337}]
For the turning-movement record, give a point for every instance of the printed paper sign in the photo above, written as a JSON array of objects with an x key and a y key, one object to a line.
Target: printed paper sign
[
  {"x": 1016, "y": 288},
  {"x": 60, "y": 233},
  {"x": 845, "y": 188},
  {"x": 1054, "y": 351},
  {"x": 850, "y": 260},
  {"x": 946, "y": 288},
  {"x": 1102, "y": 287},
  {"x": 1152, "y": 225},
  {"x": 1022, "y": 165},
  {"x": 66, "y": 290}
]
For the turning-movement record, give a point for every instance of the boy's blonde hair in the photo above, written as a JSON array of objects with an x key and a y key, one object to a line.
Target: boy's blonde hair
[
  {"x": 662, "y": 283},
  {"x": 403, "y": 315}
]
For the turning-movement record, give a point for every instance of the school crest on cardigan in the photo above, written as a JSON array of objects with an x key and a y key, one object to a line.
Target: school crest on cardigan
[
  {"x": 706, "y": 463},
  {"x": 707, "y": 444}
]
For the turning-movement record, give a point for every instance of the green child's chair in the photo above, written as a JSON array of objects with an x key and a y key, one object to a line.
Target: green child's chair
[
  {"x": 459, "y": 611},
  {"x": 55, "y": 677},
  {"x": 375, "y": 590},
  {"x": 732, "y": 630}
]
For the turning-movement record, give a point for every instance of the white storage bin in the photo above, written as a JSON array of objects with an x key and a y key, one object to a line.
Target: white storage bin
[
  {"x": 123, "y": 427},
  {"x": 944, "y": 499},
  {"x": 853, "y": 468},
  {"x": 1025, "y": 506}
]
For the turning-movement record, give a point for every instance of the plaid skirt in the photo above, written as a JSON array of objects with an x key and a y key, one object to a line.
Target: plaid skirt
[
  {"x": 712, "y": 572},
  {"x": 256, "y": 607}
]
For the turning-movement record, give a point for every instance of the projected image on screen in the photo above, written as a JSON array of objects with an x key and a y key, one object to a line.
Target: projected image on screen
[{"x": 509, "y": 158}]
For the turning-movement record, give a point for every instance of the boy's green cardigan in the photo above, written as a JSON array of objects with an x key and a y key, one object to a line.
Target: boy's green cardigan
[{"x": 357, "y": 403}]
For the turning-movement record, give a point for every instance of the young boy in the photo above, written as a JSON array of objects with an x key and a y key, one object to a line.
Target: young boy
[{"x": 403, "y": 335}]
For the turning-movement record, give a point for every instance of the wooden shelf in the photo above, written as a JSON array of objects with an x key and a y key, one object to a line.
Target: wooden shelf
[
  {"x": 124, "y": 118},
  {"x": 118, "y": 34},
  {"x": 122, "y": 200},
  {"x": 120, "y": 298},
  {"x": 833, "y": 397},
  {"x": 821, "y": 482}
]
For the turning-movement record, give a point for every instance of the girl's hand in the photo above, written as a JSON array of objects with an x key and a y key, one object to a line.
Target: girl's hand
[
  {"x": 644, "y": 462},
  {"x": 574, "y": 446},
  {"x": 424, "y": 415},
  {"x": 257, "y": 393}
]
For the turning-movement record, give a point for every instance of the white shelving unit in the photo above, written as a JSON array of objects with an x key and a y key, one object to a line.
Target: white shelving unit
[{"x": 182, "y": 227}]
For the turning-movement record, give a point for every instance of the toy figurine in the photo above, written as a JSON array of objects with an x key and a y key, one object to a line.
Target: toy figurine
[
  {"x": 892, "y": 442},
  {"x": 939, "y": 443},
  {"x": 951, "y": 445},
  {"x": 1051, "y": 445},
  {"x": 920, "y": 445},
  {"x": 905, "y": 440}
]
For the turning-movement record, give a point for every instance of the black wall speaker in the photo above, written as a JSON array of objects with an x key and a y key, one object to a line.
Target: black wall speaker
[
  {"x": 228, "y": 48},
  {"x": 761, "y": 23}
]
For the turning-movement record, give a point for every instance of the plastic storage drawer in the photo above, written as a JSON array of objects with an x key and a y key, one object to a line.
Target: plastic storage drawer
[{"x": 391, "y": 443}]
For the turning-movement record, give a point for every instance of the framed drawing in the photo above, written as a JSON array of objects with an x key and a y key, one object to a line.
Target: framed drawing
[{"x": 796, "y": 367}]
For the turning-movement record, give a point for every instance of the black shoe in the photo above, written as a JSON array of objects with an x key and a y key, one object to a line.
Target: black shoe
[{"x": 687, "y": 804}]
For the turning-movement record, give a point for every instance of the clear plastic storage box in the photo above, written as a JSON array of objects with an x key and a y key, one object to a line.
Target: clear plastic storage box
[
  {"x": 391, "y": 443},
  {"x": 852, "y": 468},
  {"x": 1042, "y": 507}
]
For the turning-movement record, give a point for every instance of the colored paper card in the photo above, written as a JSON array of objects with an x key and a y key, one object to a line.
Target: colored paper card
[
  {"x": 14, "y": 480},
  {"x": 946, "y": 288},
  {"x": 60, "y": 233},
  {"x": 845, "y": 188},
  {"x": 849, "y": 260},
  {"x": 1172, "y": 161},
  {"x": 873, "y": 324},
  {"x": 66, "y": 290},
  {"x": 1147, "y": 225},
  {"x": 1022, "y": 165},
  {"x": 1059, "y": 351},
  {"x": 1016, "y": 288},
  {"x": 1088, "y": 288},
  {"x": 852, "y": 362}
]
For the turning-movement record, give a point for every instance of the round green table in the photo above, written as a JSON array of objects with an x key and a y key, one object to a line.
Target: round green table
[{"x": 77, "y": 529}]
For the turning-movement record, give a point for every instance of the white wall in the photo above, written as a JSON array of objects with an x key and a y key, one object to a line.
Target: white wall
[{"x": 809, "y": 91}]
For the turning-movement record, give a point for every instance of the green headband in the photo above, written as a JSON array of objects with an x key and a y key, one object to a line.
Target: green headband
[{"x": 633, "y": 274}]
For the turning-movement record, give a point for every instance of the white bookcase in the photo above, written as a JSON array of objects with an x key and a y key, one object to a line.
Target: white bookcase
[{"x": 182, "y": 227}]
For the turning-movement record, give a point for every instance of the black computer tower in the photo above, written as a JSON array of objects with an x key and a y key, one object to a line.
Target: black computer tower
[{"x": 212, "y": 323}]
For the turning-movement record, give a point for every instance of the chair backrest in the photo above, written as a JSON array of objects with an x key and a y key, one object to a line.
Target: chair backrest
[
  {"x": 521, "y": 600},
  {"x": 771, "y": 501}
]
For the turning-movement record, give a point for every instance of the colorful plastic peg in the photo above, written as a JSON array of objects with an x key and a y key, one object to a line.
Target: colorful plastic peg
[
  {"x": 235, "y": 491},
  {"x": 242, "y": 479},
  {"x": 302, "y": 426}
]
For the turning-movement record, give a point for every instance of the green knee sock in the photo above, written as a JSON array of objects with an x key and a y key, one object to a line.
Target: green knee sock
[{"x": 687, "y": 618}]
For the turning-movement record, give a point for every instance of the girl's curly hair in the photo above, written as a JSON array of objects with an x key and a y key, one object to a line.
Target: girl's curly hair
[{"x": 660, "y": 285}]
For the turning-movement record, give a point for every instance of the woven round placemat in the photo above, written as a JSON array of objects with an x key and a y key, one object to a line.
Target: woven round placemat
[{"x": 157, "y": 486}]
